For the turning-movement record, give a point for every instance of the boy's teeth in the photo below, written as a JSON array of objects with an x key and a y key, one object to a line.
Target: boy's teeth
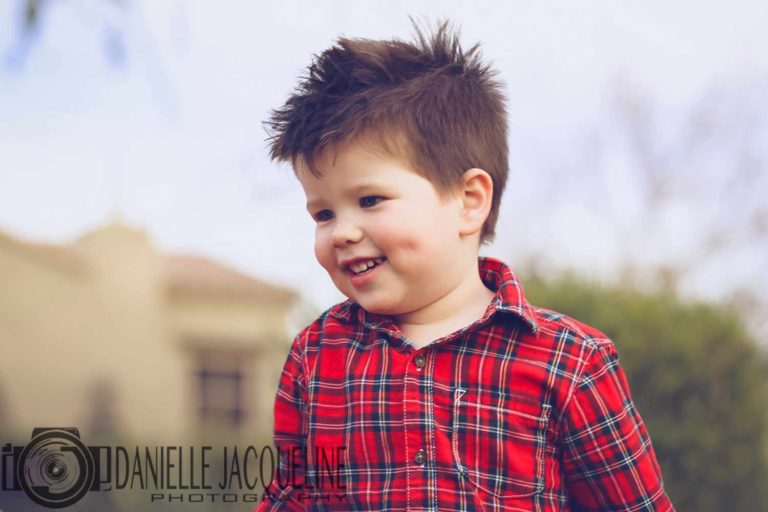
[{"x": 364, "y": 265}]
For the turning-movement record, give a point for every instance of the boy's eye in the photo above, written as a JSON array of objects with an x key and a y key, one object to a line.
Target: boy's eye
[
  {"x": 368, "y": 201},
  {"x": 323, "y": 215}
]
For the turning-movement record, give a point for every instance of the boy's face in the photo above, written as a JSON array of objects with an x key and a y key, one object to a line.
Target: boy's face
[{"x": 372, "y": 208}]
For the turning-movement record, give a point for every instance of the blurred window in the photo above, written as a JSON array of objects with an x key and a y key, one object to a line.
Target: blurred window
[{"x": 221, "y": 382}]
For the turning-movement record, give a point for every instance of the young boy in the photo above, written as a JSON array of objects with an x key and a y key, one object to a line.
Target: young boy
[{"x": 443, "y": 388}]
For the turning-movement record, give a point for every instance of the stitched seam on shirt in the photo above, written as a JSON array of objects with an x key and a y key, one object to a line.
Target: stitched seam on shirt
[
  {"x": 458, "y": 393},
  {"x": 508, "y": 411},
  {"x": 577, "y": 380},
  {"x": 564, "y": 320},
  {"x": 433, "y": 459},
  {"x": 541, "y": 441},
  {"x": 303, "y": 381},
  {"x": 405, "y": 434}
]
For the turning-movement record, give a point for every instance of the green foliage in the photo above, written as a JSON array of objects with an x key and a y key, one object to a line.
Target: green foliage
[{"x": 698, "y": 380}]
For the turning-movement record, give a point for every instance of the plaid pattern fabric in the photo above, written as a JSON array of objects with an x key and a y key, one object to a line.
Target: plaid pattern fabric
[{"x": 524, "y": 410}]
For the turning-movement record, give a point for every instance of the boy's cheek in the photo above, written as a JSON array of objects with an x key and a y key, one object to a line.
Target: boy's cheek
[
  {"x": 394, "y": 231},
  {"x": 323, "y": 255}
]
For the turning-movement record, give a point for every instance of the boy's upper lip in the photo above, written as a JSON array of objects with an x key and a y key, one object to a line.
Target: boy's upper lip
[{"x": 358, "y": 259}]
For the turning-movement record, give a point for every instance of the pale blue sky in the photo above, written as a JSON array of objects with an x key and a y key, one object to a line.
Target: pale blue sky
[{"x": 172, "y": 139}]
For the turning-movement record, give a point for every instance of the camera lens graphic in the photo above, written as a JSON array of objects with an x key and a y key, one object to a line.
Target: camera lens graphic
[{"x": 55, "y": 469}]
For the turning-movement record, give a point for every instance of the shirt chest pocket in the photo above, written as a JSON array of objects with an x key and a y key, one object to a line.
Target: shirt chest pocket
[{"x": 498, "y": 442}]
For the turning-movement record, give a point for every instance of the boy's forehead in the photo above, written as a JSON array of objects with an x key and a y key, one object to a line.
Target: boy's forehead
[
  {"x": 372, "y": 144},
  {"x": 355, "y": 162}
]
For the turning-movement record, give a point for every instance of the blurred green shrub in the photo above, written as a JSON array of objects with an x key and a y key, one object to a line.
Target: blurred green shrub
[{"x": 698, "y": 380}]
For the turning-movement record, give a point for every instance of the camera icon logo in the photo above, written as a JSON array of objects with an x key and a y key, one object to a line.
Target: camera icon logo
[{"x": 55, "y": 469}]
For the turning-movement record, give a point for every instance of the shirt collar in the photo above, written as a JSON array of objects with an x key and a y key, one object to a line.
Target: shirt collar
[
  {"x": 494, "y": 273},
  {"x": 509, "y": 291}
]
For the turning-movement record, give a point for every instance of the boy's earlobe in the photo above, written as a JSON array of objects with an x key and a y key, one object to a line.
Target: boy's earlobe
[{"x": 476, "y": 199}]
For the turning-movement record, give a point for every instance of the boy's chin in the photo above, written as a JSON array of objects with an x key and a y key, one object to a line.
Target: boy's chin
[{"x": 377, "y": 307}]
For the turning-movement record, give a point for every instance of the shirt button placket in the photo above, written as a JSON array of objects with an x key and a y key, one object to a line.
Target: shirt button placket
[{"x": 417, "y": 431}]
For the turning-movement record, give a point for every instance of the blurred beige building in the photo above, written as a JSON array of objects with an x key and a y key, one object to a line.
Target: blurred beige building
[{"x": 108, "y": 335}]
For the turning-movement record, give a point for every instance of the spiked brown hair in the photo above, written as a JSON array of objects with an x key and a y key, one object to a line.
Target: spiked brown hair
[{"x": 430, "y": 103}]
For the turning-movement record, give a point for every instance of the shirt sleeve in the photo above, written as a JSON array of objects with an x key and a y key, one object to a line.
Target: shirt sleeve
[
  {"x": 290, "y": 435},
  {"x": 608, "y": 460}
]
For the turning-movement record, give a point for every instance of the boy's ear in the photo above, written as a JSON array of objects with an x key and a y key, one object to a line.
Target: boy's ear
[{"x": 476, "y": 198}]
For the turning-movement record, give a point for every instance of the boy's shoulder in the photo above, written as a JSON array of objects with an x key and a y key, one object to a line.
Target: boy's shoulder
[
  {"x": 337, "y": 319},
  {"x": 553, "y": 324}
]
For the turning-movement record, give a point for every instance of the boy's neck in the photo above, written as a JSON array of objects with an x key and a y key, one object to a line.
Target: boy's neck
[{"x": 460, "y": 307}]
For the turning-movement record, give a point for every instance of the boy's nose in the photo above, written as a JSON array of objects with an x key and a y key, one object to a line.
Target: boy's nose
[{"x": 345, "y": 233}]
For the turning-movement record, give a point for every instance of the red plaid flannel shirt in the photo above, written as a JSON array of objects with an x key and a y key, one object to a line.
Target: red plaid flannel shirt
[{"x": 524, "y": 410}]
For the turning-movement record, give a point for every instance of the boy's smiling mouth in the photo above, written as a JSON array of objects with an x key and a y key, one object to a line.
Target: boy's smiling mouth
[{"x": 358, "y": 266}]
